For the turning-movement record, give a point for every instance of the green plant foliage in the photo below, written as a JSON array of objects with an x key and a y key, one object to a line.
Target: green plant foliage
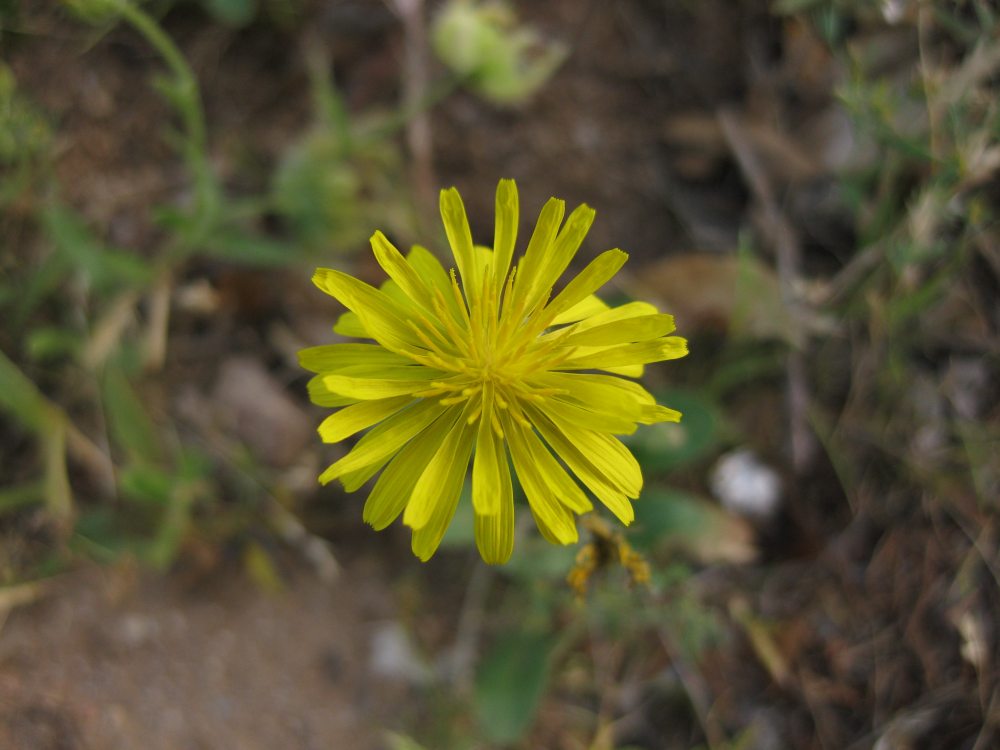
[
  {"x": 24, "y": 133},
  {"x": 25, "y": 138},
  {"x": 320, "y": 189},
  {"x": 232, "y": 12},
  {"x": 535, "y": 559},
  {"x": 668, "y": 513},
  {"x": 510, "y": 683},
  {"x": 341, "y": 178},
  {"x": 482, "y": 43},
  {"x": 128, "y": 420},
  {"x": 97, "y": 11},
  {"x": 106, "y": 268},
  {"x": 665, "y": 447}
]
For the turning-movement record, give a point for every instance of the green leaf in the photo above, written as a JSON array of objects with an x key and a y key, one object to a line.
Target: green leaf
[
  {"x": 243, "y": 247},
  {"x": 535, "y": 559},
  {"x": 21, "y": 496},
  {"x": 21, "y": 398},
  {"x": 664, "y": 513},
  {"x": 50, "y": 342},
  {"x": 58, "y": 495},
  {"x": 99, "y": 533},
  {"x": 36, "y": 286},
  {"x": 173, "y": 524},
  {"x": 146, "y": 485},
  {"x": 661, "y": 448},
  {"x": 510, "y": 683},
  {"x": 74, "y": 240},
  {"x": 130, "y": 424},
  {"x": 232, "y": 12},
  {"x": 670, "y": 519}
]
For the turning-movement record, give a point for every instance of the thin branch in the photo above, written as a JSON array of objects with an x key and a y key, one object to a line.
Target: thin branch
[
  {"x": 415, "y": 93},
  {"x": 788, "y": 255}
]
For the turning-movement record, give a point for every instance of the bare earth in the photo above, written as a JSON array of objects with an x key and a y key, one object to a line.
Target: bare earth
[{"x": 107, "y": 660}]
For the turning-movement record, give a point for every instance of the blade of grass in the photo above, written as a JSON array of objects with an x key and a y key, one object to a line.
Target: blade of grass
[
  {"x": 21, "y": 496},
  {"x": 20, "y": 397}
]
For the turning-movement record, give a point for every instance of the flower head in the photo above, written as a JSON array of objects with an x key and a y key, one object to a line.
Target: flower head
[{"x": 491, "y": 365}]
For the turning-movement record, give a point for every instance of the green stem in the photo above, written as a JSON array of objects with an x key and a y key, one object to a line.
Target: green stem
[
  {"x": 436, "y": 93},
  {"x": 187, "y": 100},
  {"x": 189, "y": 103}
]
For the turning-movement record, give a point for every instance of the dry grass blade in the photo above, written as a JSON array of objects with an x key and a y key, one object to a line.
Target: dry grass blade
[{"x": 12, "y": 597}]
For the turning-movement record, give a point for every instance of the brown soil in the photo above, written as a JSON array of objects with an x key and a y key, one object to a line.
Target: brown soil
[{"x": 109, "y": 660}]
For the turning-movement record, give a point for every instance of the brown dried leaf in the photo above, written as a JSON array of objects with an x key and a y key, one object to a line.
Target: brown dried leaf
[{"x": 709, "y": 292}]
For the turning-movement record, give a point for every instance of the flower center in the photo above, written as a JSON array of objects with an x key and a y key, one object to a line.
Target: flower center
[{"x": 487, "y": 358}]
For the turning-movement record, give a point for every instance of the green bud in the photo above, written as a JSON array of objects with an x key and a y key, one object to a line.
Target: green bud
[{"x": 500, "y": 60}]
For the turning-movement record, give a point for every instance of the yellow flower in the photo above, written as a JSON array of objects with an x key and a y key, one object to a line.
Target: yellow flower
[{"x": 497, "y": 363}]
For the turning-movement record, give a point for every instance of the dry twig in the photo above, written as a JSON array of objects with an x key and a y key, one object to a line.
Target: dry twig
[
  {"x": 415, "y": 85},
  {"x": 788, "y": 254}
]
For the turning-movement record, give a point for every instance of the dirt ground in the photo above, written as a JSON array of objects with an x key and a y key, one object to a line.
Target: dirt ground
[{"x": 111, "y": 659}]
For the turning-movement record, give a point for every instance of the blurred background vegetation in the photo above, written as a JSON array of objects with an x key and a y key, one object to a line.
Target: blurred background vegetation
[{"x": 809, "y": 185}]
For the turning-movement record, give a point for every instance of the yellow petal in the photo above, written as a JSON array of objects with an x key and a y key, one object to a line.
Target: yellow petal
[
  {"x": 456, "y": 226},
  {"x": 320, "y": 395},
  {"x": 385, "y": 439},
  {"x": 546, "y": 229},
  {"x": 484, "y": 259},
  {"x": 355, "y": 480},
  {"x": 612, "y": 314},
  {"x": 495, "y": 533},
  {"x": 505, "y": 230},
  {"x": 543, "y": 273},
  {"x": 367, "y": 389},
  {"x": 628, "y": 371},
  {"x": 605, "y": 453},
  {"x": 349, "y": 324},
  {"x": 643, "y": 352},
  {"x": 641, "y": 328},
  {"x": 619, "y": 504},
  {"x": 451, "y": 458},
  {"x": 486, "y": 467},
  {"x": 407, "y": 371},
  {"x": 612, "y": 496},
  {"x": 561, "y": 485},
  {"x": 610, "y": 392},
  {"x": 394, "y": 487},
  {"x": 382, "y": 317},
  {"x": 332, "y": 357},
  {"x": 592, "y": 416},
  {"x": 446, "y": 493},
  {"x": 352, "y": 419},
  {"x": 595, "y": 275},
  {"x": 401, "y": 272},
  {"x": 547, "y": 533},
  {"x": 433, "y": 273},
  {"x": 588, "y": 306},
  {"x": 552, "y": 515},
  {"x": 426, "y": 539},
  {"x": 656, "y": 413}
]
